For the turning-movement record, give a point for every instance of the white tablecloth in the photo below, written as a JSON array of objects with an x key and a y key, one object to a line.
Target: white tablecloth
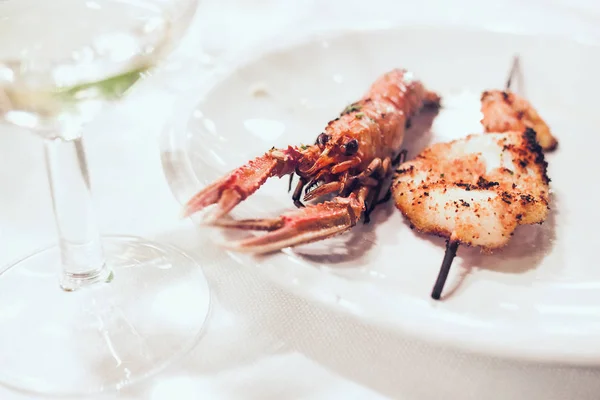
[{"x": 262, "y": 343}]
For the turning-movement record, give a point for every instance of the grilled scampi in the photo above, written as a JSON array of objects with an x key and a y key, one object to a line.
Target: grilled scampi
[
  {"x": 475, "y": 190},
  {"x": 350, "y": 158},
  {"x": 505, "y": 111}
]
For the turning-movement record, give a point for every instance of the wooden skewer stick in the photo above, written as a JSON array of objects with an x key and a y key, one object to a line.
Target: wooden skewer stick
[
  {"x": 516, "y": 66},
  {"x": 452, "y": 244},
  {"x": 451, "y": 248}
]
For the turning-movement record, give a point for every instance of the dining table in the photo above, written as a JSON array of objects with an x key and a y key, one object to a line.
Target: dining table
[{"x": 260, "y": 341}]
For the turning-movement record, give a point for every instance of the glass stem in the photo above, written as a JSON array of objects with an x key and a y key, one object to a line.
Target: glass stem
[{"x": 78, "y": 236}]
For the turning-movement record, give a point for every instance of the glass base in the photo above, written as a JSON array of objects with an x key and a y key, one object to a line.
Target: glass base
[{"x": 149, "y": 310}]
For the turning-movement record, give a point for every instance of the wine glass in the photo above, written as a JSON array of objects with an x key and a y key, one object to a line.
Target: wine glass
[{"x": 121, "y": 307}]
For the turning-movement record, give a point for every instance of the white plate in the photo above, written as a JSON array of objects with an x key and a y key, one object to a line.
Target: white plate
[{"x": 539, "y": 298}]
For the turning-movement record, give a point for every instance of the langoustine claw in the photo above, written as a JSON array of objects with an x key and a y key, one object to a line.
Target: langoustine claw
[{"x": 236, "y": 186}]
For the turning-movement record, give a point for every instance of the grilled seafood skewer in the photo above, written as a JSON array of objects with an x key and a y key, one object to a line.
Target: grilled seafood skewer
[
  {"x": 350, "y": 158},
  {"x": 506, "y": 111},
  {"x": 474, "y": 190},
  {"x": 477, "y": 189}
]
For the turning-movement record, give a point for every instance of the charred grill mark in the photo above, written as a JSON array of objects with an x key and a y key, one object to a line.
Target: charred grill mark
[
  {"x": 533, "y": 146},
  {"x": 527, "y": 198},
  {"x": 482, "y": 183},
  {"x": 467, "y": 186},
  {"x": 506, "y": 197}
]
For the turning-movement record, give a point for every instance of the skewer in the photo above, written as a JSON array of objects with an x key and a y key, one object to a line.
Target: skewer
[
  {"x": 451, "y": 248},
  {"x": 513, "y": 70},
  {"x": 452, "y": 245}
]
